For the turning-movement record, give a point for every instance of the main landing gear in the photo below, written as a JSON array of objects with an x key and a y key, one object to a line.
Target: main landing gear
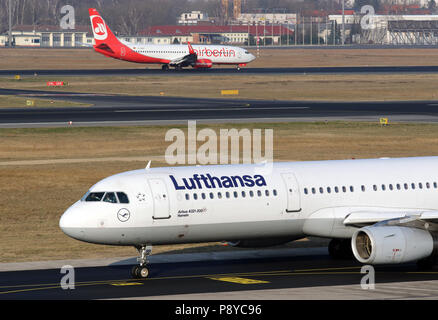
[
  {"x": 141, "y": 271},
  {"x": 165, "y": 67}
]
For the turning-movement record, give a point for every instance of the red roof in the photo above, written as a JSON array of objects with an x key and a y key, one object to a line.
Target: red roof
[{"x": 178, "y": 30}]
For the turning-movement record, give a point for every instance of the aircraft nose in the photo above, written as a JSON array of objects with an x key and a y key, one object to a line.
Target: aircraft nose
[
  {"x": 252, "y": 57},
  {"x": 69, "y": 223}
]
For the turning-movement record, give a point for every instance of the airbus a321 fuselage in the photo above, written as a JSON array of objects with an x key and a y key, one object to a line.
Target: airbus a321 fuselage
[
  {"x": 174, "y": 55},
  {"x": 384, "y": 210}
]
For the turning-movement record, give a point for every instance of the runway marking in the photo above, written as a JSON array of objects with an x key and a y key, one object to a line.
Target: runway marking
[
  {"x": 122, "y": 284},
  {"x": 211, "y": 109},
  {"x": 238, "y": 280}
]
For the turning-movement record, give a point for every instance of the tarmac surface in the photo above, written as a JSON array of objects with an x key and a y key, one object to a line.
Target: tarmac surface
[
  {"x": 138, "y": 110},
  {"x": 227, "y": 71},
  {"x": 265, "y": 274}
]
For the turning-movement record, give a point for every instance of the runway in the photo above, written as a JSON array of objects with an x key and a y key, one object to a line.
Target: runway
[
  {"x": 286, "y": 273},
  {"x": 220, "y": 71},
  {"x": 139, "y": 110}
]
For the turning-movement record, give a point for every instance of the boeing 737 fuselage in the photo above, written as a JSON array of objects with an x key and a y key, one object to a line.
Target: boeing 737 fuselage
[
  {"x": 386, "y": 208},
  {"x": 172, "y": 55}
]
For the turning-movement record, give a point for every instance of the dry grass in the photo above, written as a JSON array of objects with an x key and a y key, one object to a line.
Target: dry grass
[
  {"x": 20, "y": 102},
  {"x": 19, "y": 59},
  {"x": 334, "y": 87},
  {"x": 32, "y": 198}
]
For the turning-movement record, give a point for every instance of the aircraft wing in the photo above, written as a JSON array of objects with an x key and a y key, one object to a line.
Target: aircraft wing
[
  {"x": 189, "y": 59},
  {"x": 420, "y": 219}
]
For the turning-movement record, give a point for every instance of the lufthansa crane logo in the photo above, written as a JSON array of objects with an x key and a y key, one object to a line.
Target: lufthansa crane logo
[
  {"x": 99, "y": 28},
  {"x": 123, "y": 215}
]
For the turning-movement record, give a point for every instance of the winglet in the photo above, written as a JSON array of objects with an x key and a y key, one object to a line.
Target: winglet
[
  {"x": 191, "y": 51},
  {"x": 148, "y": 166}
]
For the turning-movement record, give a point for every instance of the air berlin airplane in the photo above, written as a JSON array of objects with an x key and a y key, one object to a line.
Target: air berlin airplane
[{"x": 173, "y": 55}]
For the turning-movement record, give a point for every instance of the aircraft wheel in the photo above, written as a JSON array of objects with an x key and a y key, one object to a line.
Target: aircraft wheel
[
  {"x": 165, "y": 67},
  {"x": 139, "y": 272}
]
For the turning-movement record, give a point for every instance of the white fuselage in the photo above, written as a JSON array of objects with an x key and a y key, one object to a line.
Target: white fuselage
[
  {"x": 235, "y": 202},
  {"x": 217, "y": 54}
]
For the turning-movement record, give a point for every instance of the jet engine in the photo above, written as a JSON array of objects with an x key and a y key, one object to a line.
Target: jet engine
[
  {"x": 203, "y": 63},
  {"x": 392, "y": 244}
]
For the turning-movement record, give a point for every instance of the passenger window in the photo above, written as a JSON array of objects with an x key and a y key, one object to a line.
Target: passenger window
[
  {"x": 305, "y": 191},
  {"x": 363, "y": 188},
  {"x": 336, "y": 189},
  {"x": 321, "y": 190},
  {"x": 243, "y": 194},
  {"x": 313, "y": 190},
  {"x": 251, "y": 193},
  {"x": 123, "y": 198},
  {"x": 406, "y": 186},
  {"x": 203, "y": 195},
  {"x": 211, "y": 195},
  {"x": 235, "y": 194},
  {"x": 413, "y": 186},
  {"x": 219, "y": 195},
  {"x": 227, "y": 194},
  {"x": 95, "y": 196},
  {"x": 391, "y": 187},
  {"x": 195, "y": 196},
  {"x": 274, "y": 192},
  {"x": 427, "y": 185},
  {"x": 374, "y": 187},
  {"x": 420, "y": 185},
  {"x": 398, "y": 186},
  {"x": 187, "y": 196},
  {"x": 435, "y": 185},
  {"x": 344, "y": 189},
  {"x": 267, "y": 193},
  {"x": 329, "y": 190},
  {"x": 351, "y": 188},
  {"x": 110, "y": 197},
  {"x": 259, "y": 193},
  {"x": 383, "y": 187}
]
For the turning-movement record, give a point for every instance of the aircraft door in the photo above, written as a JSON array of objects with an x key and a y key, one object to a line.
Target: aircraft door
[
  {"x": 160, "y": 198},
  {"x": 293, "y": 192}
]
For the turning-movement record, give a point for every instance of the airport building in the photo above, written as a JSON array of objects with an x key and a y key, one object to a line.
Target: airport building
[
  {"x": 211, "y": 34},
  {"x": 48, "y": 36},
  {"x": 390, "y": 29}
]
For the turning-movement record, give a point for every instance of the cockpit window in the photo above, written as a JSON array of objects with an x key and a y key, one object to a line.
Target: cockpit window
[
  {"x": 246, "y": 52},
  {"x": 106, "y": 197},
  {"x": 95, "y": 196},
  {"x": 110, "y": 197},
  {"x": 123, "y": 198}
]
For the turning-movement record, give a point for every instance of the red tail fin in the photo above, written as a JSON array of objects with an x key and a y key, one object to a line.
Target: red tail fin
[{"x": 102, "y": 33}]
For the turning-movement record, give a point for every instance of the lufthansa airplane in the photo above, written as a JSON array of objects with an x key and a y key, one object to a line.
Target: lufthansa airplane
[
  {"x": 384, "y": 211},
  {"x": 173, "y": 55}
]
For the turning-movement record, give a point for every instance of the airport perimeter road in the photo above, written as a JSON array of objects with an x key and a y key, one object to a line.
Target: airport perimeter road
[
  {"x": 136, "y": 110},
  {"x": 298, "y": 273},
  {"x": 228, "y": 71}
]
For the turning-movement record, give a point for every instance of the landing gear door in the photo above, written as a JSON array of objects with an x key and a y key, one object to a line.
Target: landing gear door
[
  {"x": 293, "y": 192},
  {"x": 160, "y": 198}
]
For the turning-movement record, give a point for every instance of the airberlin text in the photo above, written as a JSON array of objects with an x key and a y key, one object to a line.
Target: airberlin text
[{"x": 222, "y": 52}]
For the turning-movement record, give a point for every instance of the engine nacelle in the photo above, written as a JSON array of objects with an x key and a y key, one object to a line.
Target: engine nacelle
[
  {"x": 390, "y": 244},
  {"x": 203, "y": 63},
  {"x": 259, "y": 243}
]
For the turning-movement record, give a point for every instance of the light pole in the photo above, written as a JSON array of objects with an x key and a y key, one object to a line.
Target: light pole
[
  {"x": 343, "y": 22},
  {"x": 10, "y": 24}
]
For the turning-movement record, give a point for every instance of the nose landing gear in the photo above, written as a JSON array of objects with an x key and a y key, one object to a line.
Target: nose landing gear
[{"x": 141, "y": 271}]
